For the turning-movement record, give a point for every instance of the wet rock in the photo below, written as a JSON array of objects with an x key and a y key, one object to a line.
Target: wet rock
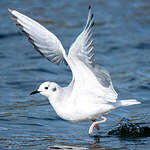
[{"x": 127, "y": 129}]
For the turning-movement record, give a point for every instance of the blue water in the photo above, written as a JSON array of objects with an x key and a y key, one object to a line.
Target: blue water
[{"x": 122, "y": 46}]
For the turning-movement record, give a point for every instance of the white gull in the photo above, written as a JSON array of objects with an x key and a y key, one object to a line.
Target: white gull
[{"x": 90, "y": 95}]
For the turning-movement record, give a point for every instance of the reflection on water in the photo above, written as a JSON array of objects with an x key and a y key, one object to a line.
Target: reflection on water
[{"x": 121, "y": 39}]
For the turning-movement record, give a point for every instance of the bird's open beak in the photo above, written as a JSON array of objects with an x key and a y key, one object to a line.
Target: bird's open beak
[{"x": 34, "y": 92}]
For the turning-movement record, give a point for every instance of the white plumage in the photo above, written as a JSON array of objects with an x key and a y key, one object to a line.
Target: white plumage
[{"x": 90, "y": 95}]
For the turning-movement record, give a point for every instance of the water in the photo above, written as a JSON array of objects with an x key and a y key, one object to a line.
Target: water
[{"x": 121, "y": 33}]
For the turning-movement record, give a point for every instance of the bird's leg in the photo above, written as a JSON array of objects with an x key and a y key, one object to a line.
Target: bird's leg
[{"x": 95, "y": 124}]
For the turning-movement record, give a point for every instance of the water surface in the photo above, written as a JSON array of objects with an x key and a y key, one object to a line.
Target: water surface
[{"x": 122, "y": 46}]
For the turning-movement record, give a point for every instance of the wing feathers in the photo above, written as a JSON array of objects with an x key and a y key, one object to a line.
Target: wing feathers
[
  {"x": 45, "y": 42},
  {"x": 82, "y": 48}
]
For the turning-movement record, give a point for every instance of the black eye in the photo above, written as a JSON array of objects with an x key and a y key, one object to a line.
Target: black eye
[
  {"x": 46, "y": 88},
  {"x": 54, "y": 89}
]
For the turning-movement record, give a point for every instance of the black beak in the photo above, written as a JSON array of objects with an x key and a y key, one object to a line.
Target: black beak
[{"x": 34, "y": 92}]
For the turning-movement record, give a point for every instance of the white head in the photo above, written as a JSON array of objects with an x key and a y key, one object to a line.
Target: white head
[{"x": 48, "y": 89}]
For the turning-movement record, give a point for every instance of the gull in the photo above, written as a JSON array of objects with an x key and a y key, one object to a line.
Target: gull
[{"x": 90, "y": 94}]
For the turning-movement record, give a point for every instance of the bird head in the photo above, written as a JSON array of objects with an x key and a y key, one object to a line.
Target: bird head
[{"x": 47, "y": 89}]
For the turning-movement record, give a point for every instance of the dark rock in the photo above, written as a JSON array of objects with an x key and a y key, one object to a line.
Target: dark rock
[{"x": 127, "y": 129}]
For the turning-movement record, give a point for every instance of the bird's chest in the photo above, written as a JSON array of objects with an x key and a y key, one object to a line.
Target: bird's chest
[{"x": 76, "y": 112}]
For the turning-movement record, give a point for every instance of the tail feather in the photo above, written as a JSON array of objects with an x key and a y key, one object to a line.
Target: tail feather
[{"x": 128, "y": 102}]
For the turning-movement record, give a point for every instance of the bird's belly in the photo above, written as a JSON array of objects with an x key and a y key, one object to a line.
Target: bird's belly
[{"x": 83, "y": 111}]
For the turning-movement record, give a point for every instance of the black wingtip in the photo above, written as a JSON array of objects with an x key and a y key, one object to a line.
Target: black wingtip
[
  {"x": 89, "y": 7},
  {"x": 92, "y": 16},
  {"x": 92, "y": 24}
]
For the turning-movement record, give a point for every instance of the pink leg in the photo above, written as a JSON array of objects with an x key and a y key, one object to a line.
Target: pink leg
[{"x": 95, "y": 124}]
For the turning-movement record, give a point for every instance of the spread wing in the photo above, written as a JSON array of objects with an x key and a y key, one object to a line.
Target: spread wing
[
  {"x": 83, "y": 51},
  {"x": 50, "y": 47},
  {"x": 45, "y": 42},
  {"x": 82, "y": 48}
]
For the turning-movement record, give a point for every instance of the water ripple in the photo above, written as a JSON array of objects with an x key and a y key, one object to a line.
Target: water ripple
[{"x": 121, "y": 41}]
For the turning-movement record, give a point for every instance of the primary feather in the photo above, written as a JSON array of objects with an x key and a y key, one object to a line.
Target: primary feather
[
  {"x": 82, "y": 48},
  {"x": 43, "y": 41}
]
